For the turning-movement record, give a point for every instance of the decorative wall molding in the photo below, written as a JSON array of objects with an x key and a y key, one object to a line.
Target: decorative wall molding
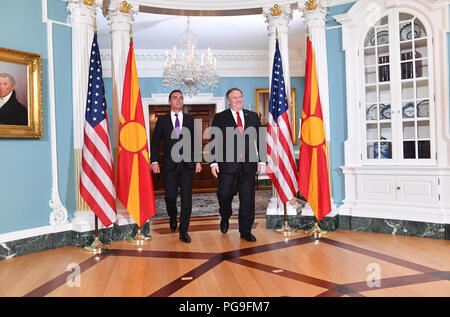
[
  {"x": 212, "y": 5},
  {"x": 150, "y": 63},
  {"x": 59, "y": 215}
]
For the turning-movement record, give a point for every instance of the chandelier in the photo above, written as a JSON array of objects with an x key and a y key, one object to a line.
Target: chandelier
[{"x": 183, "y": 72}]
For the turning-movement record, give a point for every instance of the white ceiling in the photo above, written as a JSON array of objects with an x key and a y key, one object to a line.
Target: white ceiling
[{"x": 241, "y": 33}]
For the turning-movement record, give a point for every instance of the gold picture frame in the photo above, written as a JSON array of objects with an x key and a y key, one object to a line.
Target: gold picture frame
[
  {"x": 262, "y": 103},
  {"x": 26, "y": 70}
]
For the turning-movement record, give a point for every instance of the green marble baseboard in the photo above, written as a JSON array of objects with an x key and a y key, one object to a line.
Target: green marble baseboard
[
  {"x": 68, "y": 238},
  {"x": 390, "y": 226}
]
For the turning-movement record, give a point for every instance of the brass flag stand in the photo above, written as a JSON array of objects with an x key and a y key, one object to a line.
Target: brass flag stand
[
  {"x": 140, "y": 238},
  {"x": 286, "y": 229},
  {"x": 316, "y": 232},
  {"x": 97, "y": 247}
]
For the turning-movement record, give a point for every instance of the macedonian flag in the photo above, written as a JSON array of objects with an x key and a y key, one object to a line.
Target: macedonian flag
[
  {"x": 134, "y": 180},
  {"x": 312, "y": 172}
]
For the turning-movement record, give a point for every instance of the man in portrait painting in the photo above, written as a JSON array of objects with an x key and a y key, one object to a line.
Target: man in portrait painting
[{"x": 11, "y": 111}]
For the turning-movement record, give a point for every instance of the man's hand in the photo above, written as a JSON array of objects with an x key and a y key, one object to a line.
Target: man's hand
[
  {"x": 198, "y": 167},
  {"x": 155, "y": 168},
  {"x": 215, "y": 170},
  {"x": 261, "y": 168}
]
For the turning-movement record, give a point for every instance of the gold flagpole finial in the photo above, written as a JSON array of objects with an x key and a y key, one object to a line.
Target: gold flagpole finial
[
  {"x": 131, "y": 32},
  {"x": 276, "y": 10},
  {"x": 311, "y": 5},
  {"x": 125, "y": 7},
  {"x": 95, "y": 25},
  {"x": 89, "y": 3}
]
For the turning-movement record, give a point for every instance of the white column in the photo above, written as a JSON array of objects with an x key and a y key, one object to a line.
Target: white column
[
  {"x": 82, "y": 17},
  {"x": 277, "y": 19},
  {"x": 277, "y": 23},
  {"x": 315, "y": 22},
  {"x": 315, "y": 18},
  {"x": 120, "y": 15}
]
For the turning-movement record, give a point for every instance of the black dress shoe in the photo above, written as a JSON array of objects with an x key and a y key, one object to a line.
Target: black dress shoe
[
  {"x": 248, "y": 236},
  {"x": 173, "y": 224},
  {"x": 185, "y": 237},
  {"x": 224, "y": 225}
]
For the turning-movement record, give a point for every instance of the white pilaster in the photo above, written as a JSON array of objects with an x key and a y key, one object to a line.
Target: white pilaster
[
  {"x": 120, "y": 15},
  {"x": 82, "y": 17},
  {"x": 277, "y": 24},
  {"x": 315, "y": 19},
  {"x": 315, "y": 22},
  {"x": 277, "y": 19}
]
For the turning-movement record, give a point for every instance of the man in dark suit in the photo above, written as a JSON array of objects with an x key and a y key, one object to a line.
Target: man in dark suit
[
  {"x": 178, "y": 166},
  {"x": 11, "y": 111},
  {"x": 236, "y": 161}
]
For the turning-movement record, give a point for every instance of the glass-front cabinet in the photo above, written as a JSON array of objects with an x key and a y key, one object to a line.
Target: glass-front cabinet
[
  {"x": 398, "y": 98},
  {"x": 397, "y": 150}
]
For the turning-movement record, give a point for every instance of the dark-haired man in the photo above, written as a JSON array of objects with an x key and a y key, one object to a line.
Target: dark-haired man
[
  {"x": 236, "y": 170},
  {"x": 178, "y": 170}
]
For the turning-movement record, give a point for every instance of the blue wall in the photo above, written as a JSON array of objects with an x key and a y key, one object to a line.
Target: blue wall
[
  {"x": 338, "y": 101},
  {"x": 26, "y": 179}
]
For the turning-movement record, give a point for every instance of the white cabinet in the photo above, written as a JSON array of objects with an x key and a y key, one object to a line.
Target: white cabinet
[{"x": 397, "y": 155}]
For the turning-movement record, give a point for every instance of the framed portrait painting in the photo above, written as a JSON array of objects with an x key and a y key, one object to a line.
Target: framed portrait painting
[
  {"x": 20, "y": 94},
  {"x": 262, "y": 102}
]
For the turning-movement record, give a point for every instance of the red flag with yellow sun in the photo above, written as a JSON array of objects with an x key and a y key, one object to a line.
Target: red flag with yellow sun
[
  {"x": 313, "y": 172},
  {"x": 134, "y": 180}
]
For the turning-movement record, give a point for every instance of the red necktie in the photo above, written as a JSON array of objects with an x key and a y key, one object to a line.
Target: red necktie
[
  {"x": 239, "y": 122},
  {"x": 240, "y": 127}
]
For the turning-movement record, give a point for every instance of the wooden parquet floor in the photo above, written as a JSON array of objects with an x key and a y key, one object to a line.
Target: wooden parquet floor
[{"x": 343, "y": 263}]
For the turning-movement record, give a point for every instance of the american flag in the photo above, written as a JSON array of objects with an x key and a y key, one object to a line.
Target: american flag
[
  {"x": 97, "y": 175},
  {"x": 280, "y": 149}
]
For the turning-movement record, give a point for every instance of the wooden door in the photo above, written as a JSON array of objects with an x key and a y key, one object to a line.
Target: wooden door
[{"x": 203, "y": 182}]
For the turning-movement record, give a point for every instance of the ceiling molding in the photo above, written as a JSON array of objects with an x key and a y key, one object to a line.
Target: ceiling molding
[
  {"x": 150, "y": 63},
  {"x": 216, "y": 6},
  {"x": 334, "y": 3}
]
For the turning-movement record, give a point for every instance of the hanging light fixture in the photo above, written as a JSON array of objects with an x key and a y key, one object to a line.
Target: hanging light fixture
[{"x": 181, "y": 70}]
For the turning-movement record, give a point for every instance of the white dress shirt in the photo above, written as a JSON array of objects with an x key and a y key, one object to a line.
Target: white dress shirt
[
  {"x": 174, "y": 118},
  {"x": 5, "y": 99}
]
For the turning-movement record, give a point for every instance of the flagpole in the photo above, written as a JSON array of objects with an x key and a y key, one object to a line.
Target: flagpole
[
  {"x": 140, "y": 238},
  {"x": 97, "y": 246},
  {"x": 315, "y": 231},
  {"x": 286, "y": 229}
]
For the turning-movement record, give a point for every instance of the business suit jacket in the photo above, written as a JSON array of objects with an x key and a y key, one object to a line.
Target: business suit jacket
[
  {"x": 13, "y": 112},
  {"x": 253, "y": 153},
  {"x": 163, "y": 130}
]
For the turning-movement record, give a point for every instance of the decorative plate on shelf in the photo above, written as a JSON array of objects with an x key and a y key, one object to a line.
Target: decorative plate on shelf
[
  {"x": 372, "y": 112},
  {"x": 406, "y": 32},
  {"x": 423, "y": 108},
  {"x": 408, "y": 110},
  {"x": 385, "y": 112},
  {"x": 382, "y": 38}
]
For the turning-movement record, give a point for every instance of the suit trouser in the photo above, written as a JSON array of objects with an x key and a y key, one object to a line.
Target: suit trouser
[
  {"x": 179, "y": 176},
  {"x": 228, "y": 186}
]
